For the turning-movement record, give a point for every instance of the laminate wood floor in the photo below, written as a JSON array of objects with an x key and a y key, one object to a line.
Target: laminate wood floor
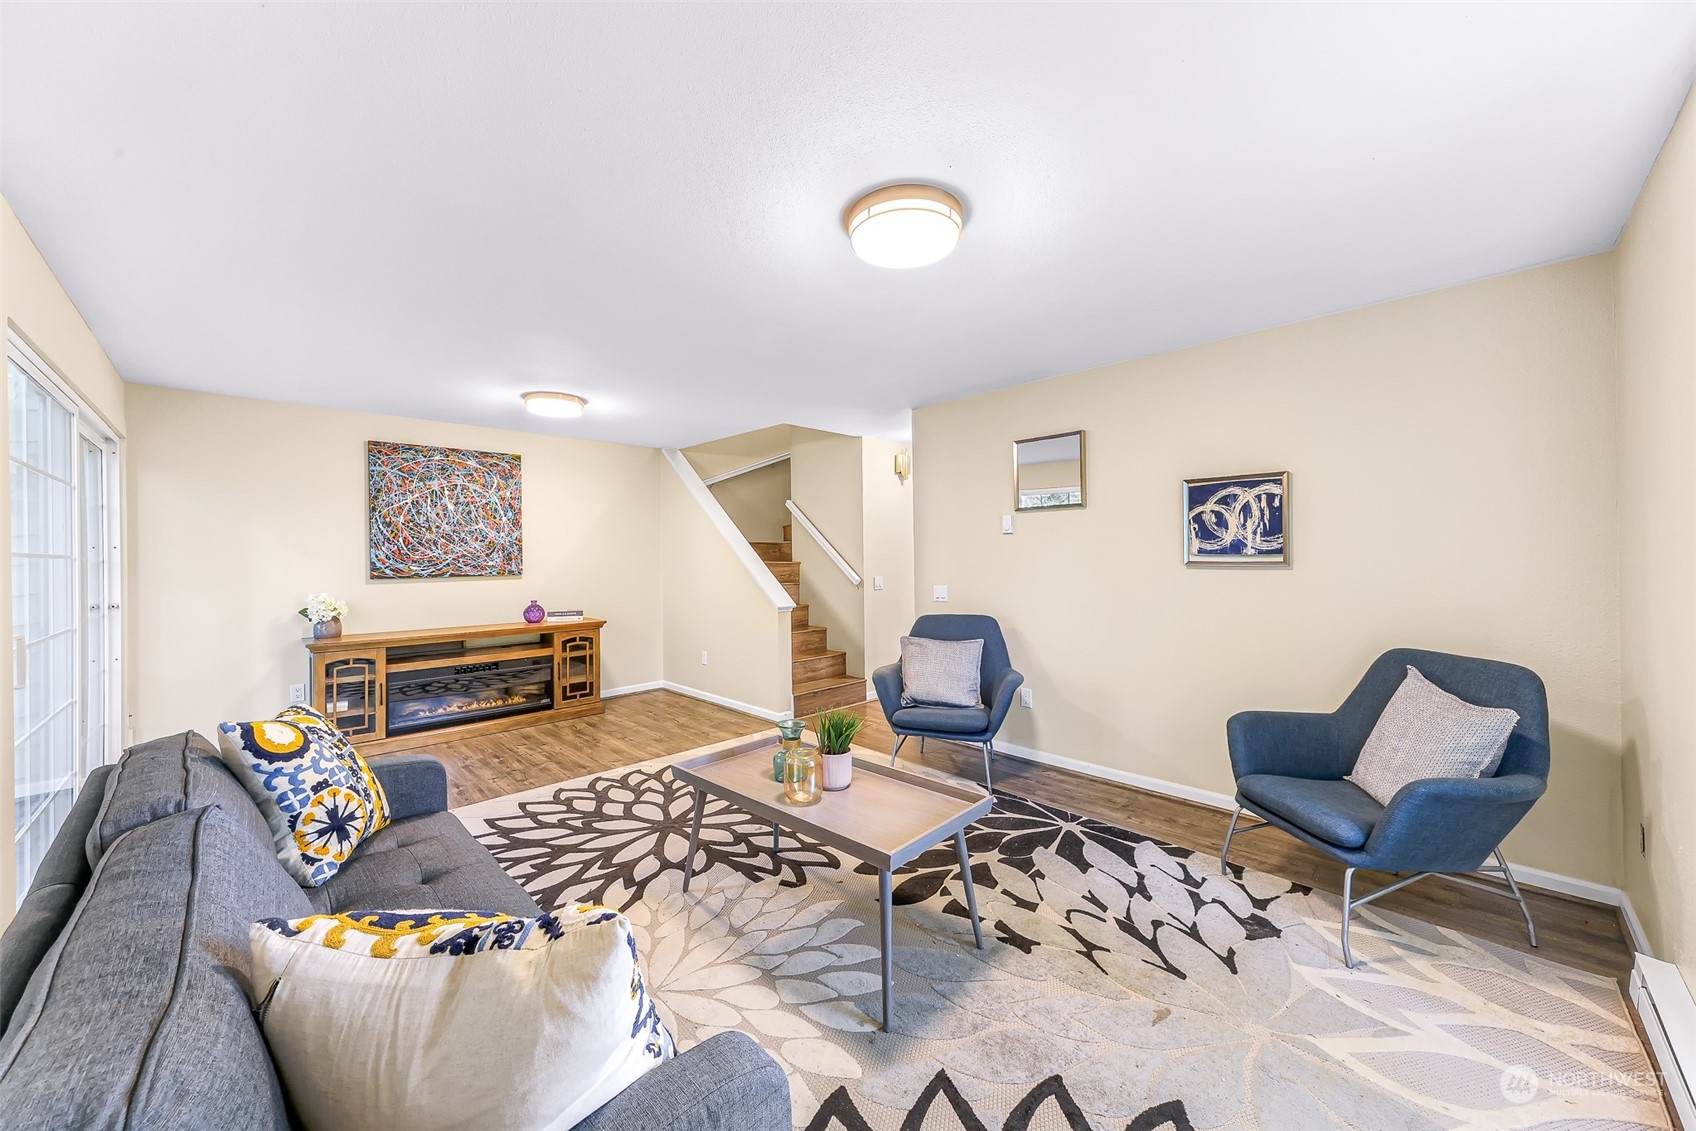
[{"x": 653, "y": 723}]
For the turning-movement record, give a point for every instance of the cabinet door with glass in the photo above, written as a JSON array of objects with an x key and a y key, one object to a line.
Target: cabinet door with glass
[
  {"x": 349, "y": 688},
  {"x": 579, "y": 667}
]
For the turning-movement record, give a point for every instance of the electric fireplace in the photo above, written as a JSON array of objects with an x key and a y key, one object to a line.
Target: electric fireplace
[{"x": 458, "y": 693}]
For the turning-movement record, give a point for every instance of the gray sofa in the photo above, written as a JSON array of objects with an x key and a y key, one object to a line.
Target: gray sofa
[{"x": 123, "y": 977}]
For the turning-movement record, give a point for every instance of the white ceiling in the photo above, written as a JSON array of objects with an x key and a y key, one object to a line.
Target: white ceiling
[{"x": 426, "y": 209}]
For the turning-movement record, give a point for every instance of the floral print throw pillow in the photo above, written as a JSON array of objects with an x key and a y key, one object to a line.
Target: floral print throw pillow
[{"x": 319, "y": 797}]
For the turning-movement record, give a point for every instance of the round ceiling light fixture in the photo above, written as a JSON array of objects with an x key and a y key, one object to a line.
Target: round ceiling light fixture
[
  {"x": 559, "y": 405},
  {"x": 904, "y": 225}
]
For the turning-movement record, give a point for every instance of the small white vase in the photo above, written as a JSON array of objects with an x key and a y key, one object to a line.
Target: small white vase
[{"x": 838, "y": 770}]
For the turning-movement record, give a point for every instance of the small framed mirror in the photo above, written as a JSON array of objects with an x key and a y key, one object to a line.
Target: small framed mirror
[{"x": 1048, "y": 472}]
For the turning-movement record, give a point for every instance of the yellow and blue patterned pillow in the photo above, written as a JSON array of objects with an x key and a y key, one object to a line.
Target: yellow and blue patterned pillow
[
  {"x": 319, "y": 797},
  {"x": 367, "y": 1031}
]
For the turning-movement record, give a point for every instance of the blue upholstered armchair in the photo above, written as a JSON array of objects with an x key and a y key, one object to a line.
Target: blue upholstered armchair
[
  {"x": 1290, "y": 769},
  {"x": 977, "y": 725}
]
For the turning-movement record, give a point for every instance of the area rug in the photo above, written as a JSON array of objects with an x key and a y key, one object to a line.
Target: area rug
[{"x": 1125, "y": 985}]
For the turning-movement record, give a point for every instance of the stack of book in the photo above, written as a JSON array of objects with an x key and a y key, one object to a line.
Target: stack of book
[{"x": 563, "y": 615}]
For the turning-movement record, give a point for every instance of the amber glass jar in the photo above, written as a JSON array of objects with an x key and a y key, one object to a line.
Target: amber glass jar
[{"x": 801, "y": 782}]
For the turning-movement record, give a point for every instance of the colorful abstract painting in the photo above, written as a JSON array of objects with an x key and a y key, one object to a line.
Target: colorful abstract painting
[
  {"x": 1238, "y": 519},
  {"x": 444, "y": 512}
]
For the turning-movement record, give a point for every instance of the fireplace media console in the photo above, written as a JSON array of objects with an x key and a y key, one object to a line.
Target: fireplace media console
[{"x": 400, "y": 690}]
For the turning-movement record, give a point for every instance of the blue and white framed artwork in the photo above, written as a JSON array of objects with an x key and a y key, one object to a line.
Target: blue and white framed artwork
[{"x": 1237, "y": 520}]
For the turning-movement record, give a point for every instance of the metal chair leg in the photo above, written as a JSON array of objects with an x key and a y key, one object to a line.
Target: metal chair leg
[
  {"x": 921, "y": 744},
  {"x": 988, "y": 750},
  {"x": 900, "y": 741},
  {"x": 1348, "y": 910},
  {"x": 1224, "y": 853},
  {"x": 1507, "y": 874}
]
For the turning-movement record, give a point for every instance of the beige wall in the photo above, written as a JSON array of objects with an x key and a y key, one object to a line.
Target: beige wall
[
  {"x": 714, "y": 605},
  {"x": 238, "y": 508},
  {"x": 754, "y": 502},
  {"x": 719, "y": 456},
  {"x": 35, "y": 307},
  {"x": 1657, "y": 365},
  {"x": 888, "y": 554},
  {"x": 826, "y": 473},
  {"x": 1453, "y": 487}
]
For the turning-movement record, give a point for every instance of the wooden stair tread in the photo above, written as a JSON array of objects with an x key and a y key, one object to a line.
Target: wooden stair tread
[
  {"x": 774, "y": 551},
  {"x": 785, "y": 571},
  {"x": 815, "y": 695},
  {"x": 807, "y": 642},
  {"x": 829, "y": 683}
]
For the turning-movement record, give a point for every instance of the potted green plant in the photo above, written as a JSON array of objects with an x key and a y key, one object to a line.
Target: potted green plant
[{"x": 837, "y": 731}]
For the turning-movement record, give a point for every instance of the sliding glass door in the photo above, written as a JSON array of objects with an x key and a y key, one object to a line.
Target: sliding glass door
[{"x": 63, "y": 604}]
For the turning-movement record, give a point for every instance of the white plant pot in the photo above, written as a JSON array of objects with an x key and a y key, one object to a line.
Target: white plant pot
[{"x": 838, "y": 770}]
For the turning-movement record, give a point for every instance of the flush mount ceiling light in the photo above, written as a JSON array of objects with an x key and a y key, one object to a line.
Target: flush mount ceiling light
[
  {"x": 904, "y": 225},
  {"x": 554, "y": 404}
]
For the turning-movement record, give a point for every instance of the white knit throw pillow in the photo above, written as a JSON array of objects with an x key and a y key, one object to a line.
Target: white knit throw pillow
[
  {"x": 940, "y": 673},
  {"x": 1425, "y": 732}
]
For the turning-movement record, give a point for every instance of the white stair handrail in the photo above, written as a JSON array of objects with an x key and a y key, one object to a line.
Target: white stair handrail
[
  {"x": 830, "y": 551},
  {"x": 722, "y": 476},
  {"x": 757, "y": 569}
]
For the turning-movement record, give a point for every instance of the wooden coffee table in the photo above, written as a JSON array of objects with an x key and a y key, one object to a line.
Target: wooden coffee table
[{"x": 885, "y": 818}]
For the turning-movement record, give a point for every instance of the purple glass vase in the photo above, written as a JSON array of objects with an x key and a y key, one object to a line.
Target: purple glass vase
[{"x": 533, "y": 613}]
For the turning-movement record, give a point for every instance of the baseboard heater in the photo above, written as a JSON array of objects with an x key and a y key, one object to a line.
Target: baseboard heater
[{"x": 1668, "y": 1011}]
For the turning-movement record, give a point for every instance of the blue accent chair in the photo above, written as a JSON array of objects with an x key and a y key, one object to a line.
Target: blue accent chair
[
  {"x": 1290, "y": 769},
  {"x": 978, "y": 725}
]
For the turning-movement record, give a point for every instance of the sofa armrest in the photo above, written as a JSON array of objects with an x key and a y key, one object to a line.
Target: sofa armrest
[
  {"x": 725, "y": 1083},
  {"x": 886, "y": 681},
  {"x": 1449, "y": 824},
  {"x": 1290, "y": 744},
  {"x": 416, "y": 784}
]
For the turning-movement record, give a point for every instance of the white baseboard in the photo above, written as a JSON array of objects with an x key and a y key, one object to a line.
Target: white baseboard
[
  {"x": 733, "y": 704},
  {"x": 1525, "y": 874},
  {"x": 1123, "y": 777},
  {"x": 1668, "y": 1013},
  {"x": 633, "y": 688}
]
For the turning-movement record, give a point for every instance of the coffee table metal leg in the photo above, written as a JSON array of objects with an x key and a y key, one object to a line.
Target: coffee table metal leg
[
  {"x": 966, "y": 879},
  {"x": 694, "y": 836},
  {"x": 887, "y": 925},
  {"x": 774, "y": 861}
]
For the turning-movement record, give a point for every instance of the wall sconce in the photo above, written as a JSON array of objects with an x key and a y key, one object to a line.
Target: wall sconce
[{"x": 903, "y": 466}]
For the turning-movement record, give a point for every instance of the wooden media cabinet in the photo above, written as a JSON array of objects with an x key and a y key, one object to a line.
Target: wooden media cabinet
[{"x": 399, "y": 690}]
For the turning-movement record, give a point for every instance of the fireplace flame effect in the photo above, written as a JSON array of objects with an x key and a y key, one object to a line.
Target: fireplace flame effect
[{"x": 459, "y": 707}]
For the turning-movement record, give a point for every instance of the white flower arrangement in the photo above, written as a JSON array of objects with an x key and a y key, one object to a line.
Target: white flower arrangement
[{"x": 322, "y": 608}]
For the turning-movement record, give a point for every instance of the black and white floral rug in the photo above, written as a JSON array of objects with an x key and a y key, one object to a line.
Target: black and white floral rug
[{"x": 1125, "y": 984}]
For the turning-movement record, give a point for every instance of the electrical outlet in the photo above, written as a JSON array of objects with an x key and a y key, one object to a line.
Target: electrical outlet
[
  {"x": 297, "y": 693},
  {"x": 1025, "y": 697},
  {"x": 703, "y": 657},
  {"x": 939, "y": 593},
  {"x": 877, "y": 583},
  {"x": 1006, "y": 524}
]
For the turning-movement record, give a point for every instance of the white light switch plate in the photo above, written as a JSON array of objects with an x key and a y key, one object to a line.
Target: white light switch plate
[
  {"x": 1006, "y": 524},
  {"x": 939, "y": 593},
  {"x": 877, "y": 583},
  {"x": 703, "y": 657},
  {"x": 1025, "y": 697}
]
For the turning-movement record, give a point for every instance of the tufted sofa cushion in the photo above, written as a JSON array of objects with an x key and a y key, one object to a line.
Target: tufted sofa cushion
[{"x": 428, "y": 861}]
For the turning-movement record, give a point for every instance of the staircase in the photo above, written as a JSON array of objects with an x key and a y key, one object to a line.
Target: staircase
[{"x": 818, "y": 673}]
